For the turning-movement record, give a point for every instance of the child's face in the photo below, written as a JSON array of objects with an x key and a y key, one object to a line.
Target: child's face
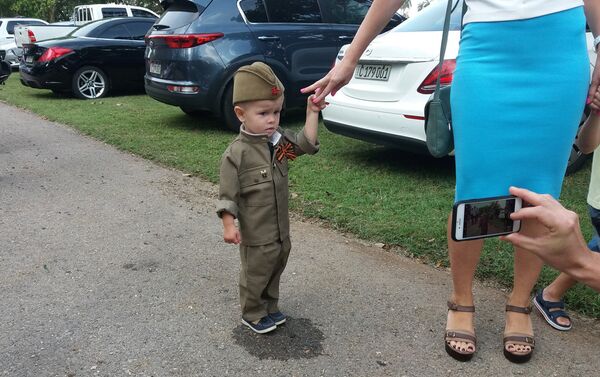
[{"x": 260, "y": 117}]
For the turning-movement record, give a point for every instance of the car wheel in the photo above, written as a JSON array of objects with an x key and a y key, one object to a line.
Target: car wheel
[
  {"x": 227, "y": 114},
  {"x": 576, "y": 158},
  {"x": 90, "y": 83}
]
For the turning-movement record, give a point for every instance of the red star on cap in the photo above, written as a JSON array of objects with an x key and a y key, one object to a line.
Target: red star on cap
[{"x": 275, "y": 91}]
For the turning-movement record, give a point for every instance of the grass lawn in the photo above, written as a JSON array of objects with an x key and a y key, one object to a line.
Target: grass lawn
[{"x": 377, "y": 193}]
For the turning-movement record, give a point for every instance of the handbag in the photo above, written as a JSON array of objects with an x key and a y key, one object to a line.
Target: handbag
[{"x": 438, "y": 116}]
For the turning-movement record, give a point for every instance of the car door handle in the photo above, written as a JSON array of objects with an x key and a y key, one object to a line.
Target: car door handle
[
  {"x": 345, "y": 37},
  {"x": 268, "y": 38}
]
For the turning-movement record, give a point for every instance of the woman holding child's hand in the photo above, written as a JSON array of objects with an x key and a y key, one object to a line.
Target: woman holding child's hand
[{"x": 513, "y": 124}]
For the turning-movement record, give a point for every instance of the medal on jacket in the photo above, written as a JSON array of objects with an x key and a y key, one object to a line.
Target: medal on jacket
[{"x": 285, "y": 151}]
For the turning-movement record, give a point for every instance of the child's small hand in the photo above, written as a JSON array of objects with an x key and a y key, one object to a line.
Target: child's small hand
[
  {"x": 315, "y": 107},
  {"x": 231, "y": 234}
]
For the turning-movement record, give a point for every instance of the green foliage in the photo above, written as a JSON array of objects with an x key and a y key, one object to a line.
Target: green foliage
[
  {"x": 59, "y": 10},
  {"x": 378, "y": 194}
]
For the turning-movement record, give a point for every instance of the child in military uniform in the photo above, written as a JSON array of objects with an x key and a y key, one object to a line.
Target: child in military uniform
[{"x": 254, "y": 189}]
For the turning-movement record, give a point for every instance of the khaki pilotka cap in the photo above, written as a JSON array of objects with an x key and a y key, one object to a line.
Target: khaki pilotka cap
[{"x": 256, "y": 82}]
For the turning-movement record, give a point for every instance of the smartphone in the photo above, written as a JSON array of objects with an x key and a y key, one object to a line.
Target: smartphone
[{"x": 485, "y": 217}]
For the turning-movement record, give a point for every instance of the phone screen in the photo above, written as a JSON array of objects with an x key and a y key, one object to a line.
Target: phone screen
[{"x": 485, "y": 218}]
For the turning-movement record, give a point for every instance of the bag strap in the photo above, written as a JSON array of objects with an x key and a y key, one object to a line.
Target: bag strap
[{"x": 436, "y": 94}]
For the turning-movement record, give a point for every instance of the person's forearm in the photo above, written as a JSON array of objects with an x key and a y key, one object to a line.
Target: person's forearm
[
  {"x": 311, "y": 127},
  {"x": 586, "y": 269},
  {"x": 228, "y": 219},
  {"x": 592, "y": 14},
  {"x": 377, "y": 17},
  {"x": 589, "y": 136}
]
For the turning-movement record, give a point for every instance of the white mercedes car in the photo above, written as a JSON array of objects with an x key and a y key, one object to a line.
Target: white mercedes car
[{"x": 385, "y": 100}]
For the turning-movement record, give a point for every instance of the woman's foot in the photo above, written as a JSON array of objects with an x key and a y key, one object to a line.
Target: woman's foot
[
  {"x": 460, "y": 340},
  {"x": 518, "y": 334}
]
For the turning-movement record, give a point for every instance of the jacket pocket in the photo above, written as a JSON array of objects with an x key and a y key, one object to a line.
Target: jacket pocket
[{"x": 256, "y": 187}]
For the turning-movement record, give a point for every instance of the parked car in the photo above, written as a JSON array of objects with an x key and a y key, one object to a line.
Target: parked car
[
  {"x": 91, "y": 61},
  {"x": 4, "y": 70},
  {"x": 82, "y": 14},
  {"x": 384, "y": 102},
  {"x": 197, "y": 45},
  {"x": 7, "y": 38}
]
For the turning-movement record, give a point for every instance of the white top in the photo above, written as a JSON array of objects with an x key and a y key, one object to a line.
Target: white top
[
  {"x": 508, "y": 10},
  {"x": 593, "y": 197}
]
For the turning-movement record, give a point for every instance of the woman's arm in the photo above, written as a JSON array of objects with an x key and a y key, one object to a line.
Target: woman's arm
[
  {"x": 377, "y": 17},
  {"x": 589, "y": 135},
  {"x": 592, "y": 13}
]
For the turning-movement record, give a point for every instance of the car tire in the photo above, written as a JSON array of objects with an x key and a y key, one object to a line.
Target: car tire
[
  {"x": 576, "y": 158},
  {"x": 90, "y": 83},
  {"x": 227, "y": 114}
]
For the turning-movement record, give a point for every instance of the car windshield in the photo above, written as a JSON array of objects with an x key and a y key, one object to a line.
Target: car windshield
[{"x": 431, "y": 18}]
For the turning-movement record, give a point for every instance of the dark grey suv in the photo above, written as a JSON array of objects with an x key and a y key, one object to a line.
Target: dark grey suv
[{"x": 196, "y": 46}]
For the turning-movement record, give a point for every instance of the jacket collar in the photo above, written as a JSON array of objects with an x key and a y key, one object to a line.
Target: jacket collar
[{"x": 256, "y": 138}]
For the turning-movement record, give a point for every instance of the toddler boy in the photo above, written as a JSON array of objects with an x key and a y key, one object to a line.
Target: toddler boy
[{"x": 254, "y": 189}]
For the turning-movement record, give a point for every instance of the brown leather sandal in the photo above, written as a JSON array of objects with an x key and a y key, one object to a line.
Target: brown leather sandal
[
  {"x": 460, "y": 336},
  {"x": 518, "y": 339}
]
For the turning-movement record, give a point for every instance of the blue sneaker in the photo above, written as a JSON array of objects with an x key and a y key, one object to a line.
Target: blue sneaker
[
  {"x": 278, "y": 317},
  {"x": 263, "y": 326}
]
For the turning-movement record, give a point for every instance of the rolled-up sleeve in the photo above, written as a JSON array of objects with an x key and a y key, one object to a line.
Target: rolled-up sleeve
[
  {"x": 301, "y": 143},
  {"x": 229, "y": 187}
]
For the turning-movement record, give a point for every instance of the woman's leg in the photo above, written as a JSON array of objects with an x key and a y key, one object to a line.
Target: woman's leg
[
  {"x": 464, "y": 257},
  {"x": 526, "y": 269}
]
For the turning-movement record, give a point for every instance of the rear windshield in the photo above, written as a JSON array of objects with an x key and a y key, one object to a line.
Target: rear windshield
[
  {"x": 142, "y": 13},
  {"x": 85, "y": 29},
  {"x": 10, "y": 26},
  {"x": 431, "y": 18},
  {"x": 179, "y": 13},
  {"x": 114, "y": 12}
]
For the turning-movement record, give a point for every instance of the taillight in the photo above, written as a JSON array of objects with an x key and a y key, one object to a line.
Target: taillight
[
  {"x": 31, "y": 36},
  {"x": 186, "y": 40},
  {"x": 54, "y": 53},
  {"x": 428, "y": 85}
]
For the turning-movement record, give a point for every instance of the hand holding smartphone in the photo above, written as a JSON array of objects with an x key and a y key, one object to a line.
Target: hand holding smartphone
[{"x": 485, "y": 217}]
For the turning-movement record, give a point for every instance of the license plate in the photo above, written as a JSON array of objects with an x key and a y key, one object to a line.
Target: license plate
[
  {"x": 379, "y": 72},
  {"x": 155, "y": 68},
  {"x": 29, "y": 59}
]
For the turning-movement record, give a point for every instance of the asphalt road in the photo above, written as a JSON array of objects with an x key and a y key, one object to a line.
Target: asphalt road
[{"x": 113, "y": 266}]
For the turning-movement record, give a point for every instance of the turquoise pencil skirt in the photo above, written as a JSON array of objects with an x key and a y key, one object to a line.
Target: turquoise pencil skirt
[{"x": 517, "y": 97}]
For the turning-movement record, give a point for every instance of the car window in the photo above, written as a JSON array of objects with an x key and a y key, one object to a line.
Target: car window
[
  {"x": 431, "y": 18},
  {"x": 114, "y": 12},
  {"x": 179, "y": 13},
  {"x": 254, "y": 10},
  {"x": 10, "y": 25},
  {"x": 142, "y": 13},
  {"x": 293, "y": 11},
  {"x": 346, "y": 11},
  {"x": 116, "y": 32},
  {"x": 138, "y": 30}
]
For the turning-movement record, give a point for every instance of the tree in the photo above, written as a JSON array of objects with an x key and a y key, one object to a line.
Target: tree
[{"x": 60, "y": 10}]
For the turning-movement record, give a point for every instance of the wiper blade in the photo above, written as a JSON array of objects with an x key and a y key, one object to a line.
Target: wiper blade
[{"x": 160, "y": 27}]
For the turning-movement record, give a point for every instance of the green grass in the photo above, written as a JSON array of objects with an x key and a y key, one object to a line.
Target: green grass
[{"x": 376, "y": 193}]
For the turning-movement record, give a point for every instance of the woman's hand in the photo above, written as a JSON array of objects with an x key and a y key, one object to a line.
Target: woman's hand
[
  {"x": 593, "y": 98},
  {"x": 337, "y": 77}
]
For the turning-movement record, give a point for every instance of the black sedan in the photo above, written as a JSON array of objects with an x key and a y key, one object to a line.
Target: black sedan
[{"x": 91, "y": 61}]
